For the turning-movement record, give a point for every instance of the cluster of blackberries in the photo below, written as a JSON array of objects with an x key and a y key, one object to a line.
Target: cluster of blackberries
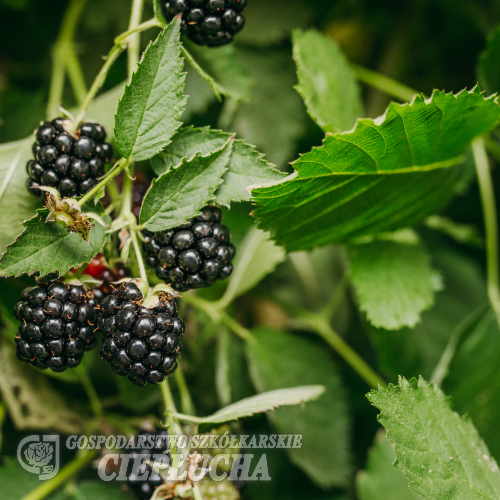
[
  {"x": 208, "y": 22},
  {"x": 193, "y": 255},
  {"x": 140, "y": 342},
  {"x": 144, "y": 489},
  {"x": 71, "y": 164},
  {"x": 57, "y": 325}
]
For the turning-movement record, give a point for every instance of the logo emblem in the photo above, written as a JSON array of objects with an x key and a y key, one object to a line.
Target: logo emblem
[{"x": 39, "y": 455}]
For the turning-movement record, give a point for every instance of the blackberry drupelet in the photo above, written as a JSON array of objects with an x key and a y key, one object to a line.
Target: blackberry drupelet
[
  {"x": 144, "y": 489},
  {"x": 140, "y": 342},
  {"x": 69, "y": 163},
  {"x": 207, "y": 22},
  {"x": 57, "y": 325},
  {"x": 193, "y": 255}
]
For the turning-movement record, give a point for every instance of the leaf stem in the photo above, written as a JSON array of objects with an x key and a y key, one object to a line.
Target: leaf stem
[
  {"x": 151, "y": 23},
  {"x": 75, "y": 75},
  {"x": 307, "y": 275},
  {"x": 63, "y": 475},
  {"x": 490, "y": 222},
  {"x": 94, "y": 400},
  {"x": 133, "y": 39},
  {"x": 186, "y": 400},
  {"x": 119, "y": 166},
  {"x": 138, "y": 254},
  {"x": 324, "y": 330},
  {"x": 384, "y": 83}
]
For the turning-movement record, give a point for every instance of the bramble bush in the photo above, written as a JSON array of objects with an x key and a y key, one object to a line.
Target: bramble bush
[{"x": 241, "y": 221}]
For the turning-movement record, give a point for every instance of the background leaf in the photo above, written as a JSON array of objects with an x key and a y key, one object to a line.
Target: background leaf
[
  {"x": 48, "y": 246},
  {"x": 149, "y": 111},
  {"x": 386, "y": 174},
  {"x": 326, "y": 82},
  {"x": 221, "y": 68},
  {"x": 381, "y": 480},
  {"x": 279, "y": 360},
  {"x": 180, "y": 193},
  {"x": 440, "y": 452},
  {"x": 257, "y": 257},
  {"x": 15, "y": 481},
  {"x": 91, "y": 490},
  {"x": 405, "y": 282},
  {"x": 488, "y": 70}
]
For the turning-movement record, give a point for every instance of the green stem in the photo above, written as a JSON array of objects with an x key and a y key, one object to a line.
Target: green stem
[
  {"x": 168, "y": 399},
  {"x": 120, "y": 165},
  {"x": 62, "y": 49},
  {"x": 490, "y": 222},
  {"x": 323, "y": 328},
  {"x": 385, "y": 84},
  {"x": 138, "y": 254},
  {"x": 2, "y": 419},
  {"x": 152, "y": 23},
  {"x": 94, "y": 400},
  {"x": 197, "y": 492},
  {"x": 493, "y": 147},
  {"x": 307, "y": 275},
  {"x": 133, "y": 40},
  {"x": 75, "y": 75},
  {"x": 63, "y": 475},
  {"x": 99, "y": 80},
  {"x": 186, "y": 401},
  {"x": 333, "y": 305}
]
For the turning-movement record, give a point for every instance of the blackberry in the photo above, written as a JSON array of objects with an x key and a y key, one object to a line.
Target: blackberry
[
  {"x": 70, "y": 163},
  {"x": 207, "y": 22},
  {"x": 147, "y": 445},
  {"x": 100, "y": 271},
  {"x": 57, "y": 325},
  {"x": 193, "y": 255},
  {"x": 140, "y": 342}
]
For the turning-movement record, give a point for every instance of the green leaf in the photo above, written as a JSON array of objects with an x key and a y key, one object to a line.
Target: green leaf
[
  {"x": 257, "y": 257},
  {"x": 221, "y": 68},
  {"x": 473, "y": 376},
  {"x": 261, "y": 403},
  {"x": 48, "y": 246},
  {"x": 275, "y": 116},
  {"x": 32, "y": 403},
  {"x": 416, "y": 352},
  {"x": 381, "y": 480},
  {"x": 388, "y": 173},
  {"x": 149, "y": 111},
  {"x": 180, "y": 193},
  {"x": 278, "y": 360},
  {"x": 159, "y": 12},
  {"x": 488, "y": 70},
  {"x": 441, "y": 453},
  {"x": 16, "y": 482},
  {"x": 405, "y": 282},
  {"x": 245, "y": 168},
  {"x": 326, "y": 82}
]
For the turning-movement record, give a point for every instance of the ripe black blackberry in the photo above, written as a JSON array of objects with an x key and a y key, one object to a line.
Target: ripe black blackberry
[
  {"x": 193, "y": 255},
  {"x": 140, "y": 342},
  {"x": 144, "y": 489},
  {"x": 57, "y": 325},
  {"x": 69, "y": 163},
  {"x": 207, "y": 22}
]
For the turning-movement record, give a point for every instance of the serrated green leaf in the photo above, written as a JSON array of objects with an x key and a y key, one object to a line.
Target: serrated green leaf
[
  {"x": 275, "y": 116},
  {"x": 221, "y": 68},
  {"x": 381, "y": 480},
  {"x": 180, "y": 193},
  {"x": 488, "y": 70},
  {"x": 441, "y": 453},
  {"x": 48, "y": 246},
  {"x": 245, "y": 168},
  {"x": 388, "y": 173},
  {"x": 405, "y": 280},
  {"x": 326, "y": 82},
  {"x": 261, "y": 403},
  {"x": 278, "y": 360},
  {"x": 31, "y": 401},
  {"x": 149, "y": 111},
  {"x": 257, "y": 257}
]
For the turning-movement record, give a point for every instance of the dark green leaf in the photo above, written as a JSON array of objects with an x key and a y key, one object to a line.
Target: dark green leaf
[
  {"x": 388, "y": 173},
  {"x": 381, "y": 480},
  {"x": 48, "y": 246},
  {"x": 405, "y": 282},
  {"x": 441, "y": 453},
  {"x": 326, "y": 82},
  {"x": 149, "y": 111},
  {"x": 180, "y": 193},
  {"x": 488, "y": 71},
  {"x": 221, "y": 68},
  {"x": 279, "y": 360}
]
